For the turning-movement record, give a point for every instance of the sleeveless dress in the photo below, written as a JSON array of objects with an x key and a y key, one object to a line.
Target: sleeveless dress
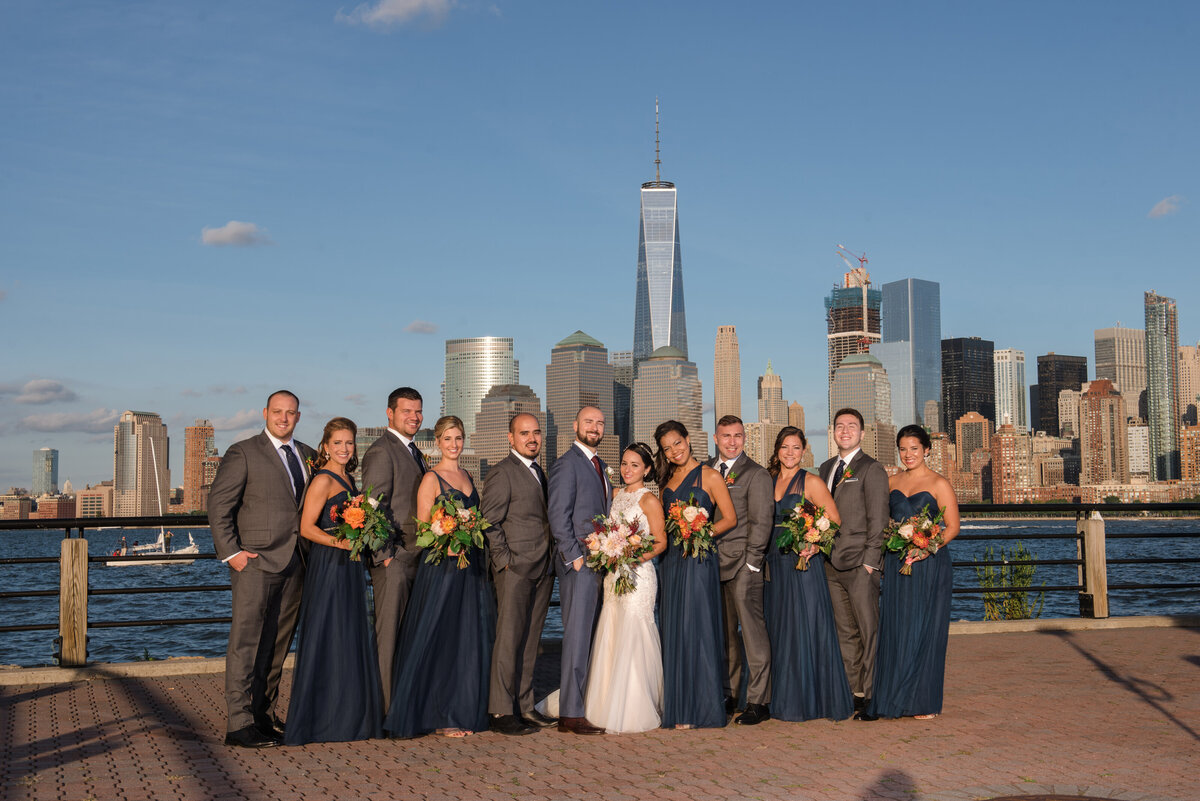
[
  {"x": 336, "y": 692},
  {"x": 693, "y": 637},
  {"x": 625, "y": 678},
  {"x": 914, "y": 625},
  {"x": 444, "y": 651},
  {"x": 808, "y": 678}
]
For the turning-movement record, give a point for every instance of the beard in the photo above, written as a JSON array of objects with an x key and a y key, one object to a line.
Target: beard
[{"x": 591, "y": 440}]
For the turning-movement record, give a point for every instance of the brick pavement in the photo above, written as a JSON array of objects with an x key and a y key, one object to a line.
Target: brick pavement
[{"x": 1102, "y": 713}]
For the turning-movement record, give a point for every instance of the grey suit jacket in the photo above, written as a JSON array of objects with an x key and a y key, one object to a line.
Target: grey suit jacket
[
  {"x": 393, "y": 476},
  {"x": 519, "y": 536},
  {"x": 862, "y": 501},
  {"x": 576, "y": 496},
  {"x": 252, "y": 504},
  {"x": 752, "y": 492}
]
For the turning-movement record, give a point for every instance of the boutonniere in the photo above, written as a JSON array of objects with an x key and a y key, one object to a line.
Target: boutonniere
[
  {"x": 614, "y": 475},
  {"x": 311, "y": 462},
  {"x": 729, "y": 479},
  {"x": 848, "y": 473}
]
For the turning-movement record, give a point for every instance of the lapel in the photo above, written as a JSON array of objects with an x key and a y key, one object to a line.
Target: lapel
[
  {"x": 272, "y": 456},
  {"x": 852, "y": 467},
  {"x": 521, "y": 468}
]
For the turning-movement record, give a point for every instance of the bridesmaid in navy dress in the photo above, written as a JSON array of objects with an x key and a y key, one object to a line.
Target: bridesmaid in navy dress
[
  {"x": 336, "y": 692},
  {"x": 692, "y": 628},
  {"x": 808, "y": 678},
  {"x": 914, "y": 621},
  {"x": 444, "y": 653}
]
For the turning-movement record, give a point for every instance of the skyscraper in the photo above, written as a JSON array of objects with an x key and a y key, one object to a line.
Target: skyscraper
[
  {"x": 1010, "y": 387},
  {"x": 1121, "y": 358},
  {"x": 667, "y": 387},
  {"x": 1056, "y": 372},
  {"x": 622, "y": 364},
  {"x": 499, "y": 406},
  {"x": 578, "y": 375},
  {"x": 141, "y": 476},
  {"x": 972, "y": 432},
  {"x": 852, "y": 320},
  {"x": 727, "y": 374},
  {"x": 968, "y": 381},
  {"x": 198, "y": 444},
  {"x": 1162, "y": 385},
  {"x": 473, "y": 366},
  {"x": 860, "y": 382},
  {"x": 1189, "y": 384},
  {"x": 772, "y": 408},
  {"x": 1103, "y": 440},
  {"x": 658, "y": 318},
  {"x": 1012, "y": 463},
  {"x": 45, "y": 472},
  {"x": 910, "y": 349}
]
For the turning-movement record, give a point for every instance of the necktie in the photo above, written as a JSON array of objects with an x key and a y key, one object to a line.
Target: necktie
[
  {"x": 541, "y": 477},
  {"x": 600, "y": 472},
  {"x": 416, "y": 454},
  {"x": 724, "y": 469},
  {"x": 294, "y": 468},
  {"x": 837, "y": 474}
]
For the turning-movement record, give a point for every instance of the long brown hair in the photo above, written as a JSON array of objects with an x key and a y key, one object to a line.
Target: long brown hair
[
  {"x": 662, "y": 466},
  {"x": 773, "y": 467},
  {"x": 336, "y": 424}
]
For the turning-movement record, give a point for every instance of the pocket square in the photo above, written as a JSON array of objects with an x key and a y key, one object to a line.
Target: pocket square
[{"x": 849, "y": 480}]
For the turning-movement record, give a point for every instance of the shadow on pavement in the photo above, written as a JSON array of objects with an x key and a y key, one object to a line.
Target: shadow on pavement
[{"x": 892, "y": 784}]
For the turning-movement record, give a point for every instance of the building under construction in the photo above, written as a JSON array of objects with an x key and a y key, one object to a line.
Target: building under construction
[{"x": 852, "y": 314}]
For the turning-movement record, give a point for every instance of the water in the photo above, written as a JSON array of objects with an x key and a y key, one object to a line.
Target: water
[{"x": 127, "y": 644}]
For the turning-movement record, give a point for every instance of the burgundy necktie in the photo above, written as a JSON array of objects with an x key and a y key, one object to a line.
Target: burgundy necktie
[{"x": 600, "y": 472}]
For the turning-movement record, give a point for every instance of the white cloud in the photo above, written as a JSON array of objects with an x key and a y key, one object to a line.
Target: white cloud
[
  {"x": 247, "y": 418},
  {"x": 382, "y": 14},
  {"x": 1168, "y": 205},
  {"x": 357, "y": 399},
  {"x": 43, "y": 390},
  {"x": 236, "y": 234},
  {"x": 96, "y": 421},
  {"x": 421, "y": 327}
]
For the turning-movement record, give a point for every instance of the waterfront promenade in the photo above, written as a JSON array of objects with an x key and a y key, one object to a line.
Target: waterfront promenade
[{"x": 1103, "y": 712}]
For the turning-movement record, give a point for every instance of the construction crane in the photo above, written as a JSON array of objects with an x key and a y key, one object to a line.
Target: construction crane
[{"x": 844, "y": 251}]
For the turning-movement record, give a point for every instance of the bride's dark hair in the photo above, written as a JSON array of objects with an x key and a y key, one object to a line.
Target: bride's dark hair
[{"x": 643, "y": 452}]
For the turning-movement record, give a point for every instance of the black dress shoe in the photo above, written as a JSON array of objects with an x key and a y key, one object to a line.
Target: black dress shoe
[
  {"x": 251, "y": 737},
  {"x": 510, "y": 724},
  {"x": 754, "y": 714},
  {"x": 535, "y": 718},
  {"x": 730, "y": 705},
  {"x": 270, "y": 727},
  {"x": 863, "y": 714},
  {"x": 860, "y": 703}
]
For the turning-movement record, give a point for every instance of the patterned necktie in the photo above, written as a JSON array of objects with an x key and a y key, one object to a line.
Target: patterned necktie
[
  {"x": 837, "y": 474},
  {"x": 416, "y": 454},
  {"x": 724, "y": 469},
  {"x": 294, "y": 468}
]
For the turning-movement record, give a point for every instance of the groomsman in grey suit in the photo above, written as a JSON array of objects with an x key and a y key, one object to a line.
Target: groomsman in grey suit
[
  {"x": 254, "y": 514},
  {"x": 741, "y": 551},
  {"x": 860, "y": 489},
  {"x": 393, "y": 467},
  {"x": 514, "y": 502},
  {"x": 579, "y": 490}
]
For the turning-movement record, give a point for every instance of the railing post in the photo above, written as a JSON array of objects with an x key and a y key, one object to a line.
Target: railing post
[
  {"x": 1093, "y": 599},
  {"x": 72, "y": 602}
]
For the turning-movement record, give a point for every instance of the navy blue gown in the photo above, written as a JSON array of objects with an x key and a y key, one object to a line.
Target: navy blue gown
[
  {"x": 444, "y": 652},
  {"x": 692, "y": 634},
  {"x": 914, "y": 625},
  {"x": 336, "y": 692},
  {"x": 808, "y": 678}
]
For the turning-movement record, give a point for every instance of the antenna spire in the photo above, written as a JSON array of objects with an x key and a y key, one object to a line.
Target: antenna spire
[{"x": 657, "y": 160}]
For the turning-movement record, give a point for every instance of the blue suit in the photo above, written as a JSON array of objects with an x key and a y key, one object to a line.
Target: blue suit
[{"x": 577, "y": 494}]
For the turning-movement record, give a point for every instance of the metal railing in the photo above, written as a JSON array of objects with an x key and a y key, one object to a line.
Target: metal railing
[{"x": 1091, "y": 563}]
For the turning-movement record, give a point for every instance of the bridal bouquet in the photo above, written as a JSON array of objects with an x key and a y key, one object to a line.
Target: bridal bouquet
[
  {"x": 453, "y": 530},
  {"x": 807, "y": 531},
  {"x": 360, "y": 521},
  {"x": 917, "y": 537},
  {"x": 691, "y": 527},
  {"x": 616, "y": 546}
]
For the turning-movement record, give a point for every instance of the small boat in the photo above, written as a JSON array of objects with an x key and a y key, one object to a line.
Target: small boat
[{"x": 137, "y": 554}]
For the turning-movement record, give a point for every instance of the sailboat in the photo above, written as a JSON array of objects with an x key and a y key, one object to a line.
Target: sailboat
[{"x": 138, "y": 553}]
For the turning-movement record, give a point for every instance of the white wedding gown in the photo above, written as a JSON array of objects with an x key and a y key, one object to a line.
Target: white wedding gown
[{"x": 625, "y": 677}]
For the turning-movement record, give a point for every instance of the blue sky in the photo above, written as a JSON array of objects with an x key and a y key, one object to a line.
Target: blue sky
[{"x": 415, "y": 170}]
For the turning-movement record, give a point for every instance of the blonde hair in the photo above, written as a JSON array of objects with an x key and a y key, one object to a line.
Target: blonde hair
[{"x": 446, "y": 423}]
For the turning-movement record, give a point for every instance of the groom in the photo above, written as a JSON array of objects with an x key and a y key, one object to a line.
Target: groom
[
  {"x": 579, "y": 490},
  {"x": 859, "y": 485}
]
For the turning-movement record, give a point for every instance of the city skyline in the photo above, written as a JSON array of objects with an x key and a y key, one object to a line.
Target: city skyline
[{"x": 391, "y": 187}]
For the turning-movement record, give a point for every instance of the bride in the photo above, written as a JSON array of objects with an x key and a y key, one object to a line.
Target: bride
[{"x": 625, "y": 679}]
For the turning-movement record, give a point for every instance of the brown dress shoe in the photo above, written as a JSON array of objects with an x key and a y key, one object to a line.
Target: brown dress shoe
[{"x": 578, "y": 726}]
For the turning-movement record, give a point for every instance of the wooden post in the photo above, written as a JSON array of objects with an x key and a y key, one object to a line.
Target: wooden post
[
  {"x": 72, "y": 602},
  {"x": 1093, "y": 600}
]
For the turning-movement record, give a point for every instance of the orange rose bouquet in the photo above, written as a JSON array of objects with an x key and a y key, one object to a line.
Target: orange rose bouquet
[
  {"x": 917, "y": 537},
  {"x": 690, "y": 527},
  {"x": 807, "y": 531},
  {"x": 359, "y": 520},
  {"x": 453, "y": 530},
  {"x": 616, "y": 546}
]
